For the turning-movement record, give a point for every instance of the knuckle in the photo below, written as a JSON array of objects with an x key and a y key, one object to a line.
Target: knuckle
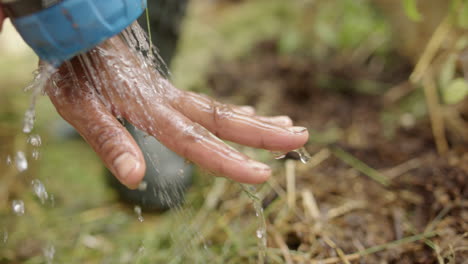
[
  {"x": 221, "y": 112},
  {"x": 107, "y": 140},
  {"x": 192, "y": 133}
]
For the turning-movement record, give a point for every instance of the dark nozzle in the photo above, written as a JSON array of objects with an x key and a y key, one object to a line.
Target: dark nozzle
[{"x": 20, "y": 8}]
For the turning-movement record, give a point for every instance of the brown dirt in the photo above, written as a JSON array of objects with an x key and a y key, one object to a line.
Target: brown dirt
[{"x": 428, "y": 192}]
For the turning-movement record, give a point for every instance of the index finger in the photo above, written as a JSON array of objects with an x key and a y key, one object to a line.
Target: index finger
[{"x": 247, "y": 130}]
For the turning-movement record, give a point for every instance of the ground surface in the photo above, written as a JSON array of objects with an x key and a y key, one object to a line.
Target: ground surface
[{"x": 425, "y": 193}]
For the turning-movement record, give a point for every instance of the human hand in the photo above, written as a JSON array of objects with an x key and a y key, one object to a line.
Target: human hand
[{"x": 112, "y": 80}]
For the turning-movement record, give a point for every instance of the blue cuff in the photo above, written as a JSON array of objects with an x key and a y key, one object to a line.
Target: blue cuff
[{"x": 71, "y": 27}]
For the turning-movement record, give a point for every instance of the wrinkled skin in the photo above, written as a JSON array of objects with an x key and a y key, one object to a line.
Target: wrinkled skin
[{"x": 188, "y": 123}]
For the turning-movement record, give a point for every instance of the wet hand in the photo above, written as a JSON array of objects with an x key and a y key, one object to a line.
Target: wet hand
[{"x": 115, "y": 81}]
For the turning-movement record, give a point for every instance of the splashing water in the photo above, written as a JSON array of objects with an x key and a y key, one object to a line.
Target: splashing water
[
  {"x": 40, "y": 190},
  {"x": 42, "y": 75},
  {"x": 49, "y": 253},
  {"x": 21, "y": 162},
  {"x": 35, "y": 140},
  {"x": 35, "y": 154},
  {"x": 143, "y": 186},
  {"x": 5, "y": 236},
  {"x": 18, "y": 207},
  {"x": 140, "y": 253},
  {"x": 138, "y": 212},
  {"x": 259, "y": 233}
]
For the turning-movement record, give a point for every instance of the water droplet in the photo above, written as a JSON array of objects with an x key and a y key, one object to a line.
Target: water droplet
[
  {"x": 8, "y": 160},
  {"x": 28, "y": 124},
  {"x": 21, "y": 162},
  {"x": 138, "y": 212},
  {"x": 52, "y": 200},
  {"x": 18, "y": 207},
  {"x": 5, "y": 237},
  {"x": 258, "y": 212},
  {"x": 303, "y": 155},
  {"x": 143, "y": 186},
  {"x": 260, "y": 233},
  {"x": 49, "y": 253},
  {"x": 278, "y": 155},
  {"x": 37, "y": 86},
  {"x": 35, "y": 154},
  {"x": 141, "y": 251},
  {"x": 40, "y": 190},
  {"x": 35, "y": 140},
  {"x": 180, "y": 172}
]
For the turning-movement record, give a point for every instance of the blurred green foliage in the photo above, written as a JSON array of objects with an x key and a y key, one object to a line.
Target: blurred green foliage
[
  {"x": 411, "y": 9},
  {"x": 349, "y": 25}
]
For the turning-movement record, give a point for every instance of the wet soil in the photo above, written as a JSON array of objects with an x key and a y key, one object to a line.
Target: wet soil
[{"x": 428, "y": 192}]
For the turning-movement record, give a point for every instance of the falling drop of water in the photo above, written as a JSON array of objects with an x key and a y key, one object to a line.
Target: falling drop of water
[
  {"x": 5, "y": 236},
  {"x": 52, "y": 200},
  {"x": 278, "y": 155},
  {"x": 180, "y": 173},
  {"x": 303, "y": 155},
  {"x": 18, "y": 207},
  {"x": 8, "y": 160},
  {"x": 21, "y": 162},
  {"x": 141, "y": 251},
  {"x": 258, "y": 211},
  {"x": 143, "y": 186},
  {"x": 49, "y": 253},
  {"x": 42, "y": 75},
  {"x": 29, "y": 118},
  {"x": 35, "y": 140},
  {"x": 40, "y": 190},
  {"x": 259, "y": 233},
  {"x": 138, "y": 212},
  {"x": 35, "y": 154}
]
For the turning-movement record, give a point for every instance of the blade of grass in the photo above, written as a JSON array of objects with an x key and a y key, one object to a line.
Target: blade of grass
[
  {"x": 360, "y": 166},
  {"x": 303, "y": 257}
]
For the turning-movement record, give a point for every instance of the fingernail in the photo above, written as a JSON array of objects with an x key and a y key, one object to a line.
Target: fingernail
[
  {"x": 125, "y": 164},
  {"x": 297, "y": 129},
  {"x": 247, "y": 109},
  {"x": 284, "y": 120}
]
